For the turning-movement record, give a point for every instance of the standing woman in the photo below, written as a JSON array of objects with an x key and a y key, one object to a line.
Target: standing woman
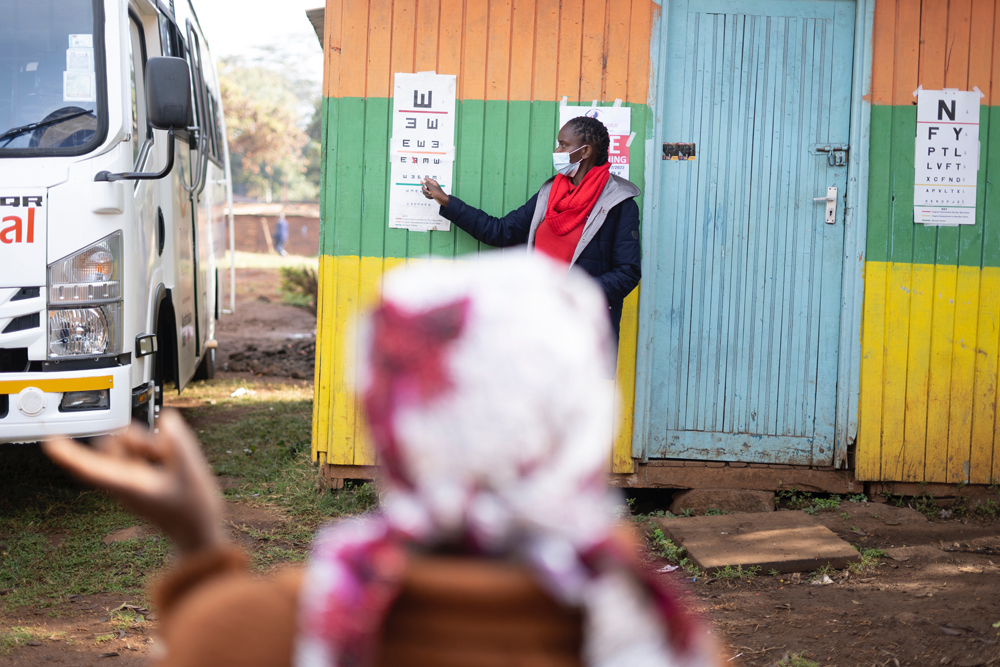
[{"x": 584, "y": 215}]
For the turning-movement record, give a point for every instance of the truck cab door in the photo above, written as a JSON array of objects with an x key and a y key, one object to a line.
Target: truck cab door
[{"x": 145, "y": 193}]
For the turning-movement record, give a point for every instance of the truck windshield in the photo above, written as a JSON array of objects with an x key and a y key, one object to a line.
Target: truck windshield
[{"x": 50, "y": 92}]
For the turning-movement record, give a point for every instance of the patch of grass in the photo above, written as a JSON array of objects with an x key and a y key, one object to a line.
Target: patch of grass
[
  {"x": 353, "y": 499},
  {"x": 714, "y": 511},
  {"x": 299, "y": 286},
  {"x": 729, "y": 573},
  {"x": 665, "y": 548},
  {"x": 773, "y": 573},
  {"x": 868, "y": 563},
  {"x": 124, "y": 619},
  {"x": 12, "y": 638},
  {"x": 845, "y": 516},
  {"x": 988, "y": 510},
  {"x": 656, "y": 514},
  {"x": 962, "y": 507},
  {"x": 38, "y": 500},
  {"x": 264, "y": 559},
  {"x": 965, "y": 507},
  {"x": 262, "y": 441},
  {"x": 926, "y": 505},
  {"x": 794, "y": 499},
  {"x": 826, "y": 569},
  {"x": 797, "y": 660},
  {"x": 827, "y": 504},
  {"x": 686, "y": 512},
  {"x": 100, "y": 639}
]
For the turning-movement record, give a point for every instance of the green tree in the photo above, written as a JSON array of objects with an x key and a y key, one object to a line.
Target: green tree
[{"x": 267, "y": 114}]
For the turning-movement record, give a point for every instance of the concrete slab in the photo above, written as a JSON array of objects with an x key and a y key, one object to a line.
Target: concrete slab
[{"x": 782, "y": 541}]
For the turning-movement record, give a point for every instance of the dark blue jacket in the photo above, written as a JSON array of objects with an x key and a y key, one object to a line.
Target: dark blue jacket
[{"x": 611, "y": 253}]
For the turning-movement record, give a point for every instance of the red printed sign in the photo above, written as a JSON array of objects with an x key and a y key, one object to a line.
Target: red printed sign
[
  {"x": 16, "y": 230},
  {"x": 22, "y": 240},
  {"x": 618, "y": 121}
]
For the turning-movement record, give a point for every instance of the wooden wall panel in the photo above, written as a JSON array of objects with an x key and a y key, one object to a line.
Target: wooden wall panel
[
  {"x": 514, "y": 61},
  {"x": 930, "y": 333}
]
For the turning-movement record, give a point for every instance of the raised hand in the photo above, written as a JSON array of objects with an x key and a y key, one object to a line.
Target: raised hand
[
  {"x": 162, "y": 477},
  {"x": 432, "y": 190}
]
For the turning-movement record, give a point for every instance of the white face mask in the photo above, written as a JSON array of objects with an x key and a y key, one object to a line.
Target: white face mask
[{"x": 561, "y": 163}]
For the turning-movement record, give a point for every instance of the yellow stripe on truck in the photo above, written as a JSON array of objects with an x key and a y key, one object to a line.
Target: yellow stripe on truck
[{"x": 57, "y": 385}]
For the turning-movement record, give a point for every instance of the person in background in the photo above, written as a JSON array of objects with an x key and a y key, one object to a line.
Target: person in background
[
  {"x": 281, "y": 234},
  {"x": 584, "y": 216},
  {"x": 496, "y": 543}
]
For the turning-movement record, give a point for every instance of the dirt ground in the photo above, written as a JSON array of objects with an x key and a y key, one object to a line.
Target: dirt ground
[
  {"x": 265, "y": 337},
  {"x": 933, "y": 600}
]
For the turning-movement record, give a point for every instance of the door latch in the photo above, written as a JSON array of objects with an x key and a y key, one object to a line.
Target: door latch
[
  {"x": 831, "y": 205},
  {"x": 836, "y": 154}
]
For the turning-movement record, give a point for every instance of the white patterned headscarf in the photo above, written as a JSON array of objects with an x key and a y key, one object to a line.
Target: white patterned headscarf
[{"x": 484, "y": 383}]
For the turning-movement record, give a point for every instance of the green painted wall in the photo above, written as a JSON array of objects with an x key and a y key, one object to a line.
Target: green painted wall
[
  {"x": 892, "y": 236},
  {"x": 503, "y": 155}
]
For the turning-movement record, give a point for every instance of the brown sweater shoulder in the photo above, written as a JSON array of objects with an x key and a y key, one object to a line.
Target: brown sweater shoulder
[{"x": 214, "y": 613}]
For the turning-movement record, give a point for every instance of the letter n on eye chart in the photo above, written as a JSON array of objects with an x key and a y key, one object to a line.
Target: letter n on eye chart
[
  {"x": 422, "y": 146},
  {"x": 947, "y": 157}
]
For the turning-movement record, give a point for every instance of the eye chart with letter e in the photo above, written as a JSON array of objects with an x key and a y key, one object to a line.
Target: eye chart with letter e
[{"x": 422, "y": 146}]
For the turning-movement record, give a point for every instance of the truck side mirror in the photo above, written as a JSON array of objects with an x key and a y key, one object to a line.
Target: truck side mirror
[
  {"x": 168, "y": 106},
  {"x": 168, "y": 93}
]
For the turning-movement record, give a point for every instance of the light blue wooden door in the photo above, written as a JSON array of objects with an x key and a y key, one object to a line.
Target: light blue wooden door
[{"x": 741, "y": 297}]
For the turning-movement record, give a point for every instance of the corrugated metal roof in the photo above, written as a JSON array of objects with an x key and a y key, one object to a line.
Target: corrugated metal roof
[{"x": 315, "y": 17}]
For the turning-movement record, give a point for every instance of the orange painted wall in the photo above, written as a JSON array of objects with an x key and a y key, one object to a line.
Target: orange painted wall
[{"x": 524, "y": 50}]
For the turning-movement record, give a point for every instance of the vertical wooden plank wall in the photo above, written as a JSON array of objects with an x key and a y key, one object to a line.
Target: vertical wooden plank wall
[
  {"x": 514, "y": 59},
  {"x": 928, "y": 402}
]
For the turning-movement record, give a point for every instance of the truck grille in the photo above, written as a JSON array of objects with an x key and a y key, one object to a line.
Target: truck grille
[
  {"x": 27, "y": 293},
  {"x": 21, "y": 310},
  {"x": 14, "y": 360},
  {"x": 22, "y": 323}
]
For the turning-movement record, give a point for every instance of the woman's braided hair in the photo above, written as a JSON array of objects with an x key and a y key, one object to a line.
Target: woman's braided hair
[{"x": 593, "y": 133}]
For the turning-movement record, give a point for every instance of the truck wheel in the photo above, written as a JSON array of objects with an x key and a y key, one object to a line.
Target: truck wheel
[{"x": 206, "y": 370}]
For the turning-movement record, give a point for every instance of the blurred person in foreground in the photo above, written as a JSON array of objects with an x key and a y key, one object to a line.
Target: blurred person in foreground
[
  {"x": 483, "y": 384},
  {"x": 583, "y": 216}
]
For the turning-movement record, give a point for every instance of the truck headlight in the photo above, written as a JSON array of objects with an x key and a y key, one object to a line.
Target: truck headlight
[
  {"x": 85, "y": 332},
  {"x": 91, "y": 275},
  {"x": 85, "y": 292}
]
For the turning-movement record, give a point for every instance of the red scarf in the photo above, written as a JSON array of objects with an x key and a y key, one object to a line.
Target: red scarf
[{"x": 568, "y": 209}]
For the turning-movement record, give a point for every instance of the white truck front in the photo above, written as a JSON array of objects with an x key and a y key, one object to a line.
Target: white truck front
[{"x": 81, "y": 260}]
